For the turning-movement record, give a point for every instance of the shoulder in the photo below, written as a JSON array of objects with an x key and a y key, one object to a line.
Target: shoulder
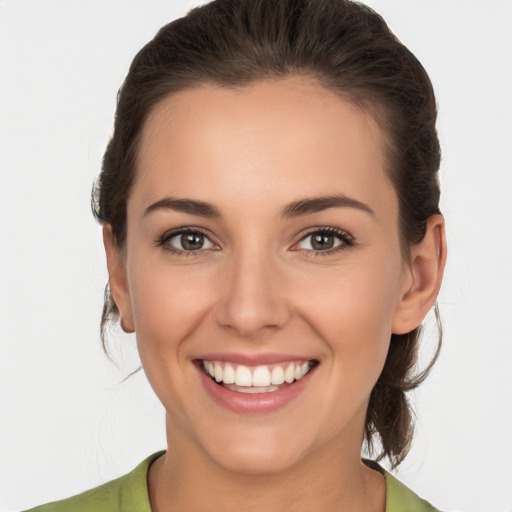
[
  {"x": 399, "y": 498},
  {"x": 116, "y": 496},
  {"x": 103, "y": 498}
]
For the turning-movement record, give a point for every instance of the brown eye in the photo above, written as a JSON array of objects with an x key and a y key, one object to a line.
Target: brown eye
[
  {"x": 325, "y": 240},
  {"x": 321, "y": 242},
  {"x": 190, "y": 241}
]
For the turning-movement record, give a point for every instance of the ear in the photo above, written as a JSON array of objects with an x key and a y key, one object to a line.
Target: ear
[
  {"x": 117, "y": 279},
  {"x": 423, "y": 279}
]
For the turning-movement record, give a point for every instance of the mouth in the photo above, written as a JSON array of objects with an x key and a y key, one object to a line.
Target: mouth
[{"x": 256, "y": 379}]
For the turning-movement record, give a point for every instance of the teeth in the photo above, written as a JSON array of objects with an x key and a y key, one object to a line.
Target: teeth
[
  {"x": 243, "y": 376},
  {"x": 277, "y": 376},
  {"x": 229, "y": 374},
  {"x": 261, "y": 379},
  {"x": 289, "y": 374},
  {"x": 218, "y": 372},
  {"x": 252, "y": 389}
]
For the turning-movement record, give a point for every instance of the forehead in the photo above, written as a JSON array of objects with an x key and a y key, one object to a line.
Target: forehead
[{"x": 289, "y": 137}]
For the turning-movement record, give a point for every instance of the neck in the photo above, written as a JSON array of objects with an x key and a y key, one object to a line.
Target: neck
[{"x": 332, "y": 478}]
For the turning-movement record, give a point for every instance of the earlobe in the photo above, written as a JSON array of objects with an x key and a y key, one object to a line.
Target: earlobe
[
  {"x": 118, "y": 281},
  {"x": 428, "y": 259}
]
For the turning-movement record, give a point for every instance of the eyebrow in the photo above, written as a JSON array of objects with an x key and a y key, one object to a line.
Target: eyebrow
[
  {"x": 191, "y": 206},
  {"x": 317, "y": 204},
  {"x": 295, "y": 209}
]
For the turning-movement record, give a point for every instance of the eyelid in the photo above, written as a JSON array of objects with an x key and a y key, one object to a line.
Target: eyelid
[
  {"x": 162, "y": 240},
  {"x": 347, "y": 240}
]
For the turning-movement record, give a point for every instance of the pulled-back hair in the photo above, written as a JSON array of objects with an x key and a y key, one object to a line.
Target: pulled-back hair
[{"x": 348, "y": 49}]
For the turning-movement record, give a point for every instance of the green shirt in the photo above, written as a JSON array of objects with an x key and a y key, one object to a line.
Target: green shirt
[{"x": 130, "y": 494}]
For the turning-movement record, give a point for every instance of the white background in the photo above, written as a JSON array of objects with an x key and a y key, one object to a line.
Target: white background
[{"x": 67, "y": 422}]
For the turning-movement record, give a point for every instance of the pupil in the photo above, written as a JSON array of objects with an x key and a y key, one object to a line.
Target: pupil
[
  {"x": 322, "y": 242},
  {"x": 192, "y": 241}
]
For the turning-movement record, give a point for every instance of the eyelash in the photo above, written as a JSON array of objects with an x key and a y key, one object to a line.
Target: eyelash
[
  {"x": 163, "y": 241},
  {"x": 347, "y": 241}
]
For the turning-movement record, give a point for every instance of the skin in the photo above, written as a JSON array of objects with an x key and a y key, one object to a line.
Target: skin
[{"x": 259, "y": 286}]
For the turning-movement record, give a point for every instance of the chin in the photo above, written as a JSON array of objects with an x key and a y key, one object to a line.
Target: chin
[
  {"x": 260, "y": 451},
  {"x": 256, "y": 461}
]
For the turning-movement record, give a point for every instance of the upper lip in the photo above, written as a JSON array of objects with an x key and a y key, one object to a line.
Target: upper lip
[{"x": 253, "y": 359}]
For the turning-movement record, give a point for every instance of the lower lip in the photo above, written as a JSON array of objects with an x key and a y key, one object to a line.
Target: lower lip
[{"x": 254, "y": 402}]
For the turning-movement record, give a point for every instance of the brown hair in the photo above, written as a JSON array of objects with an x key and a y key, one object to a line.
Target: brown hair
[{"x": 349, "y": 49}]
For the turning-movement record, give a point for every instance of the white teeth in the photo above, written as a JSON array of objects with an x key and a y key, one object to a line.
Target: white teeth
[
  {"x": 277, "y": 376},
  {"x": 218, "y": 372},
  {"x": 229, "y": 374},
  {"x": 243, "y": 376},
  {"x": 253, "y": 389},
  {"x": 301, "y": 370},
  {"x": 289, "y": 374},
  {"x": 261, "y": 377}
]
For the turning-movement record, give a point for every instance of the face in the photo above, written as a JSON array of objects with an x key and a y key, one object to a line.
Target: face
[{"x": 263, "y": 248}]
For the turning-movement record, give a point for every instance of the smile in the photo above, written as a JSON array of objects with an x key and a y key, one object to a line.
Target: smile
[{"x": 256, "y": 379}]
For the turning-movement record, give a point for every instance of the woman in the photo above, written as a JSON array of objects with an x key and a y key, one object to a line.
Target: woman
[{"x": 269, "y": 202}]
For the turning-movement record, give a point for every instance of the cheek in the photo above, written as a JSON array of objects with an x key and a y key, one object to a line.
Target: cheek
[
  {"x": 359, "y": 299},
  {"x": 167, "y": 305},
  {"x": 352, "y": 312},
  {"x": 355, "y": 325}
]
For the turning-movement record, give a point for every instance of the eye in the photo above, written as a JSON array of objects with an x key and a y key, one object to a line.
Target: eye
[
  {"x": 325, "y": 240},
  {"x": 185, "y": 241}
]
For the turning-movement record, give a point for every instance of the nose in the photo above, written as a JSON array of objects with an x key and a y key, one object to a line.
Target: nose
[{"x": 252, "y": 301}]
